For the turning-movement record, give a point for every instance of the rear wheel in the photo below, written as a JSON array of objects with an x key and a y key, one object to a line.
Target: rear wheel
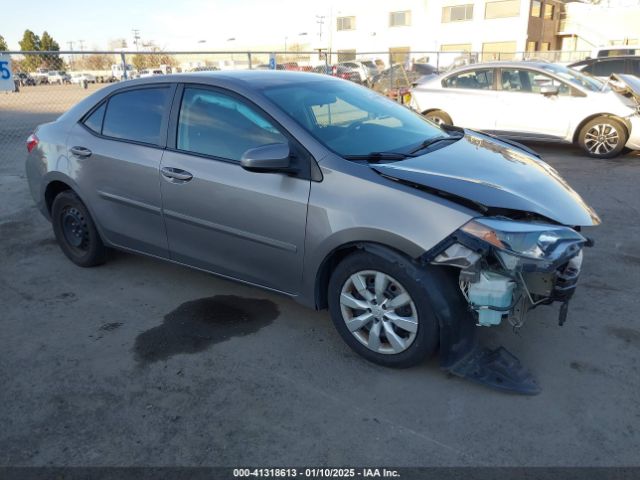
[
  {"x": 380, "y": 310},
  {"x": 439, "y": 117},
  {"x": 603, "y": 137},
  {"x": 76, "y": 232}
]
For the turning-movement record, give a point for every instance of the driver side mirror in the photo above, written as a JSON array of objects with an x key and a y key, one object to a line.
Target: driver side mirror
[
  {"x": 271, "y": 158},
  {"x": 549, "y": 90}
]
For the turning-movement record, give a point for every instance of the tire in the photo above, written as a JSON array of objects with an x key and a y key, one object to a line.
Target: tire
[
  {"x": 603, "y": 137},
  {"x": 76, "y": 232},
  {"x": 439, "y": 117},
  {"x": 404, "y": 277}
]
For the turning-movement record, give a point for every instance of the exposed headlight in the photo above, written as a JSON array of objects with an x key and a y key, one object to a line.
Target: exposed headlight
[{"x": 525, "y": 239}]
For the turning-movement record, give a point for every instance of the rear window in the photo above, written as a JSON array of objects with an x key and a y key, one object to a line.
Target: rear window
[
  {"x": 606, "y": 68},
  {"x": 136, "y": 115}
]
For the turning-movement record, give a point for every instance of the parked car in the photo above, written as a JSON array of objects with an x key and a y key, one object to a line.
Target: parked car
[
  {"x": 615, "y": 50},
  {"x": 150, "y": 73},
  {"x": 603, "y": 67},
  {"x": 205, "y": 69},
  {"x": 41, "y": 76},
  {"x": 79, "y": 78},
  {"x": 323, "y": 191},
  {"x": 58, "y": 76},
  {"x": 424, "y": 69},
  {"x": 24, "y": 79},
  {"x": 534, "y": 101},
  {"x": 366, "y": 72}
]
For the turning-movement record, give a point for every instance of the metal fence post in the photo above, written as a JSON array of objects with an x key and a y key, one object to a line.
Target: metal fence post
[
  {"x": 249, "y": 58},
  {"x": 123, "y": 58}
]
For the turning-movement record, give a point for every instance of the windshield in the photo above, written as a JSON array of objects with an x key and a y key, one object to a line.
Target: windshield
[
  {"x": 577, "y": 78},
  {"x": 352, "y": 120}
]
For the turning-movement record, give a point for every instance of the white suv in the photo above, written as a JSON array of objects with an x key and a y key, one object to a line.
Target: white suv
[{"x": 535, "y": 101}]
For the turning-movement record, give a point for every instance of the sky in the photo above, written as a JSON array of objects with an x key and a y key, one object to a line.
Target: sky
[{"x": 172, "y": 25}]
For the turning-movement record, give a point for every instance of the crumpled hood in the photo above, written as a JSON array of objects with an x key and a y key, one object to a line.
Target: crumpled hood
[
  {"x": 627, "y": 84},
  {"x": 495, "y": 174}
]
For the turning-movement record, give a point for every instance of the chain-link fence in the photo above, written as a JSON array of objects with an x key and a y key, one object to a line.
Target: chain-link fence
[{"x": 49, "y": 83}]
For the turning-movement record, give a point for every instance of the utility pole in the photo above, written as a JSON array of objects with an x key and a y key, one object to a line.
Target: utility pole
[
  {"x": 136, "y": 37},
  {"x": 81, "y": 42},
  {"x": 320, "y": 22},
  {"x": 70, "y": 43}
]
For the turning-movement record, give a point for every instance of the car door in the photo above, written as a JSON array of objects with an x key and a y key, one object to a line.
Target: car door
[
  {"x": 220, "y": 217},
  {"x": 525, "y": 111},
  {"x": 116, "y": 152},
  {"x": 468, "y": 97}
]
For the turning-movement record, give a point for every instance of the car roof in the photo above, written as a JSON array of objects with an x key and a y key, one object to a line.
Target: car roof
[
  {"x": 606, "y": 59},
  {"x": 257, "y": 79}
]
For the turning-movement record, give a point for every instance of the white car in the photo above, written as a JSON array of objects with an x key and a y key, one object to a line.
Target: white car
[
  {"x": 536, "y": 101},
  {"x": 58, "y": 76},
  {"x": 82, "y": 77}
]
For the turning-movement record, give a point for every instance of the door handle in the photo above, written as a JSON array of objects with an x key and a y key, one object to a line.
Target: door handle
[
  {"x": 81, "y": 152},
  {"x": 176, "y": 174}
]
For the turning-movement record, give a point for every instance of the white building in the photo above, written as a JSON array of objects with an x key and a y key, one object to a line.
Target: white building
[{"x": 493, "y": 28}]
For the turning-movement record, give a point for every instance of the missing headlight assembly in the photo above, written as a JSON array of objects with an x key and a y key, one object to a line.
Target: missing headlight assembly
[{"x": 508, "y": 267}]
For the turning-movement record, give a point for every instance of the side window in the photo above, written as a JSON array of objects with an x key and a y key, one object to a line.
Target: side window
[
  {"x": 635, "y": 67},
  {"x": 607, "y": 67},
  {"x": 136, "y": 115},
  {"x": 475, "y": 79},
  {"x": 212, "y": 123},
  {"x": 94, "y": 121},
  {"x": 529, "y": 81}
]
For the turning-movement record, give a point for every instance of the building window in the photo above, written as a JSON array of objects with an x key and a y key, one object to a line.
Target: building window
[
  {"x": 346, "y": 23},
  {"x": 498, "y": 51},
  {"x": 456, "y": 47},
  {"x": 457, "y": 13},
  {"x": 548, "y": 11},
  {"x": 400, "y": 19},
  {"x": 531, "y": 46},
  {"x": 502, "y": 9},
  {"x": 545, "y": 46},
  {"x": 536, "y": 8}
]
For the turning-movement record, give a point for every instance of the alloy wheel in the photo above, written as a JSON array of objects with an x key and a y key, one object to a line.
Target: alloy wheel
[
  {"x": 601, "y": 139},
  {"x": 379, "y": 312}
]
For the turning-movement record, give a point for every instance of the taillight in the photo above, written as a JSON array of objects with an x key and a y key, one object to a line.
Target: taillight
[{"x": 32, "y": 142}]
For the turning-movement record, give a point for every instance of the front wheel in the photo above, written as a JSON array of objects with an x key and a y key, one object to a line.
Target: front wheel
[
  {"x": 603, "y": 137},
  {"x": 381, "y": 311}
]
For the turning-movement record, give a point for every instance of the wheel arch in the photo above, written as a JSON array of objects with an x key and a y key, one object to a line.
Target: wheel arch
[
  {"x": 335, "y": 256},
  {"x": 623, "y": 122}
]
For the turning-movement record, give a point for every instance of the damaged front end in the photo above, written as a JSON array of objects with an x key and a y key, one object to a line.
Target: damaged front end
[{"x": 507, "y": 268}]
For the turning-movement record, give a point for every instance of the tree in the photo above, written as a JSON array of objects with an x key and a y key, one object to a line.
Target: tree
[
  {"x": 30, "y": 42},
  {"x": 52, "y": 61},
  {"x": 3, "y": 44},
  {"x": 95, "y": 62}
]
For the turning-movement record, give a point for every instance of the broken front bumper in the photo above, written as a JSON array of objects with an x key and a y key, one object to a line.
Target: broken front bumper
[{"x": 508, "y": 268}]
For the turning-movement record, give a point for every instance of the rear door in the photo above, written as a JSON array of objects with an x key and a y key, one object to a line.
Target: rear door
[
  {"x": 220, "y": 217},
  {"x": 469, "y": 98},
  {"x": 115, "y": 153}
]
